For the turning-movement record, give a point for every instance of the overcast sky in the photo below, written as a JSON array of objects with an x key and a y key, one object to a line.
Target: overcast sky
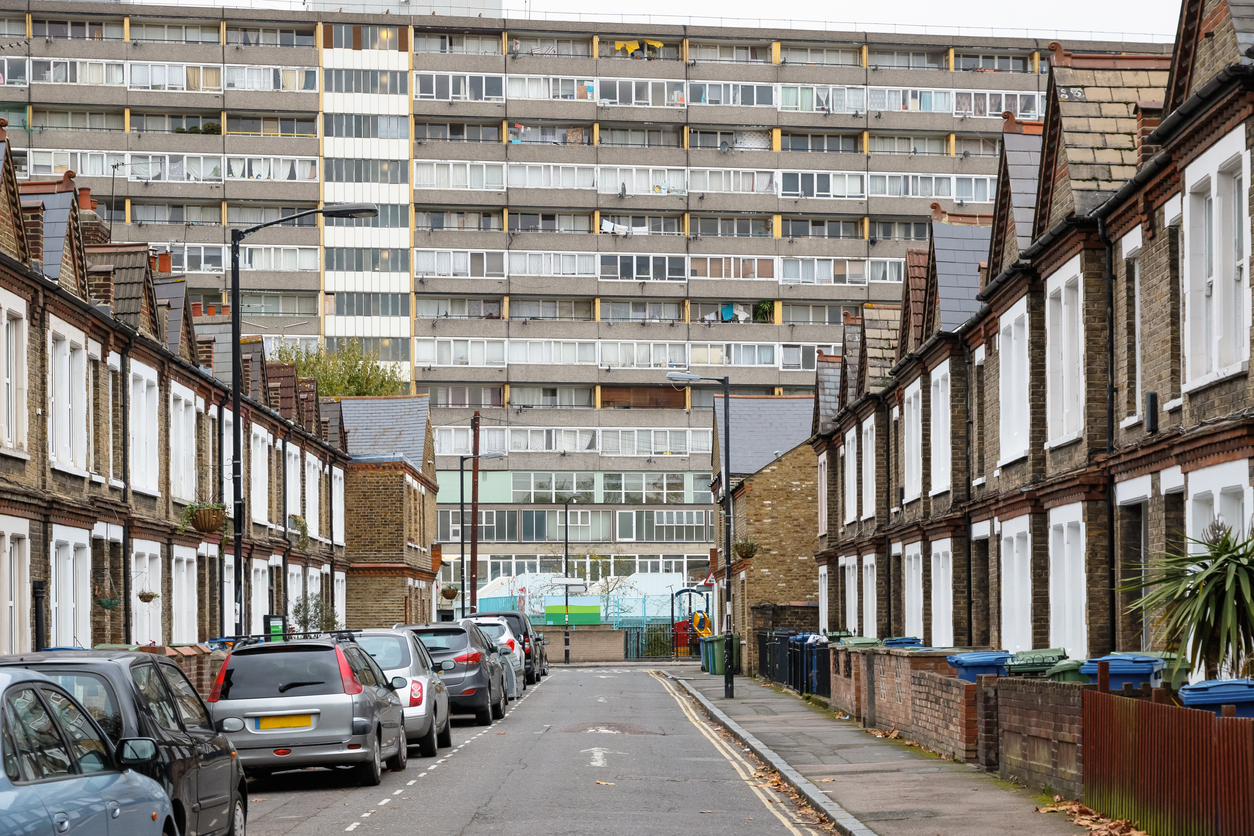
[{"x": 1153, "y": 17}]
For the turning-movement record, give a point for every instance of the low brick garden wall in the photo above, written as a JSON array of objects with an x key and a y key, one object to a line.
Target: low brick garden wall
[
  {"x": 1040, "y": 731},
  {"x": 944, "y": 715},
  {"x": 887, "y": 686},
  {"x": 847, "y": 681}
]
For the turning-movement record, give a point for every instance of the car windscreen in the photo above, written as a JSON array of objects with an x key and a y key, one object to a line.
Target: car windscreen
[
  {"x": 389, "y": 651},
  {"x": 440, "y": 641},
  {"x": 495, "y": 631},
  {"x": 515, "y": 623},
  {"x": 93, "y": 693},
  {"x": 282, "y": 672}
]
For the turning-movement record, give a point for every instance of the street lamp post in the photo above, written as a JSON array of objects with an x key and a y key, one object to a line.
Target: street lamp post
[
  {"x": 729, "y": 680},
  {"x": 566, "y": 572},
  {"x": 339, "y": 210},
  {"x": 461, "y": 493}
]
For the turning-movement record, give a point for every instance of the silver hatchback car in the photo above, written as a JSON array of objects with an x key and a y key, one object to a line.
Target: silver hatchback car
[
  {"x": 424, "y": 698},
  {"x": 320, "y": 701}
]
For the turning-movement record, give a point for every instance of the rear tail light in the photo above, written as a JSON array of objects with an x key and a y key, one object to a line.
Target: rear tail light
[
  {"x": 282, "y": 752},
  {"x": 474, "y": 657},
  {"x": 510, "y": 642},
  {"x": 351, "y": 685},
  {"x": 216, "y": 692},
  {"x": 527, "y": 645},
  {"x": 415, "y": 694},
  {"x": 469, "y": 691}
]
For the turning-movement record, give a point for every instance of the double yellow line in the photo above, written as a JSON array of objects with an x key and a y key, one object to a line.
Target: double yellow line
[{"x": 784, "y": 812}]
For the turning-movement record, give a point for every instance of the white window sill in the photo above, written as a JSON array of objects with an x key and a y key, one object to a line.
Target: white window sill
[
  {"x": 146, "y": 491},
  {"x": 1011, "y": 459},
  {"x": 1215, "y": 376},
  {"x": 896, "y": 510},
  {"x": 915, "y": 498},
  {"x": 1173, "y": 405},
  {"x": 1064, "y": 440},
  {"x": 70, "y": 469},
  {"x": 850, "y": 521},
  {"x": 868, "y": 517},
  {"x": 1130, "y": 421},
  {"x": 116, "y": 483},
  {"x": 975, "y": 483},
  {"x": 14, "y": 453},
  {"x": 939, "y": 491}
]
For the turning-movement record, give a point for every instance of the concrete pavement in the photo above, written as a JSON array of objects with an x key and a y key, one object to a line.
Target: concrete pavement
[
  {"x": 608, "y": 750},
  {"x": 888, "y": 788}
]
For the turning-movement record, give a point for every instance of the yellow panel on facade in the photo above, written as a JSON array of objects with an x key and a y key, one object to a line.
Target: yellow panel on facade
[
  {"x": 865, "y": 54},
  {"x": 597, "y": 390},
  {"x": 504, "y": 131},
  {"x": 126, "y": 210},
  {"x": 777, "y": 139},
  {"x": 505, "y": 218},
  {"x": 1036, "y": 63},
  {"x": 687, "y": 310},
  {"x": 776, "y": 52},
  {"x": 779, "y": 390},
  {"x": 126, "y": 120},
  {"x": 596, "y": 45},
  {"x": 866, "y": 142},
  {"x": 596, "y": 221},
  {"x": 777, "y": 226},
  {"x": 504, "y": 307},
  {"x": 683, "y": 51},
  {"x": 866, "y": 229},
  {"x": 952, "y": 66},
  {"x": 505, "y": 43},
  {"x": 687, "y": 222},
  {"x": 505, "y": 393},
  {"x": 126, "y": 28},
  {"x": 222, "y": 32},
  {"x": 953, "y": 145},
  {"x": 687, "y": 397},
  {"x": 685, "y": 137},
  {"x": 778, "y": 311},
  {"x": 596, "y": 309},
  {"x": 596, "y": 133}
]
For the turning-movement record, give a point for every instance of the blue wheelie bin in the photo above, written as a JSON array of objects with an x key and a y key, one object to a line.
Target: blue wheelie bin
[
  {"x": 1213, "y": 694},
  {"x": 1132, "y": 668},
  {"x": 971, "y": 665}
]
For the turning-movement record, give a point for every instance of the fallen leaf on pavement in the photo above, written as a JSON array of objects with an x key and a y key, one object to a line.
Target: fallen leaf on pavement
[
  {"x": 262, "y": 799},
  {"x": 826, "y": 780},
  {"x": 705, "y": 811},
  {"x": 500, "y": 732},
  {"x": 606, "y": 783}
]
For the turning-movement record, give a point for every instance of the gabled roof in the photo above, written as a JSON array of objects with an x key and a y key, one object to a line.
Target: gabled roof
[
  {"x": 1209, "y": 38},
  {"x": 953, "y": 277},
  {"x": 913, "y": 289},
  {"x": 63, "y": 257},
  {"x": 827, "y": 393},
  {"x": 134, "y": 292},
  {"x": 253, "y": 359},
  {"x": 180, "y": 329},
  {"x": 1014, "y": 210},
  {"x": 281, "y": 383},
  {"x": 879, "y": 346},
  {"x": 387, "y": 426},
  {"x": 1089, "y": 150},
  {"x": 763, "y": 427},
  {"x": 850, "y": 357},
  {"x": 12, "y": 231}
]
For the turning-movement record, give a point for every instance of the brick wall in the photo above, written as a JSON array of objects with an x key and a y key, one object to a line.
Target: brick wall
[
  {"x": 847, "y": 681},
  {"x": 887, "y": 684},
  {"x": 1039, "y": 734},
  {"x": 588, "y": 643},
  {"x": 986, "y": 753},
  {"x": 944, "y": 716}
]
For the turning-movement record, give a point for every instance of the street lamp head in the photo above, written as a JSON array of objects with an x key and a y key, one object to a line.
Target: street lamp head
[
  {"x": 574, "y": 497},
  {"x": 351, "y": 210},
  {"x": 683, "y": 377},
  {"x": 493, "y": 455}
]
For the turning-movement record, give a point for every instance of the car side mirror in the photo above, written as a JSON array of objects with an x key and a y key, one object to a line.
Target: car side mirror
[
  {"x": 503, "y": 650},
  {"x": 546, "y": 641},
  {"x": 137, "y": 751},
  {"x": 447, "y": 665},
  {"x": 399, "y": 682},
  {"x": 229, "y": 725}
]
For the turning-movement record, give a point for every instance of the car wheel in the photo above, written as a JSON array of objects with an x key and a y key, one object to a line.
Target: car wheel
[
  {"x": 483, "y": 716},
  {"x": 445, "y": 737},
  {"x": 427, "y": 745},
  {"x": 498, "y": 708},
  {"x": 398, "y": 761},
  {"x": 239, "y": 817},
  {"x": 371, "y": 772},
  {"x": 530, "y": 677}
]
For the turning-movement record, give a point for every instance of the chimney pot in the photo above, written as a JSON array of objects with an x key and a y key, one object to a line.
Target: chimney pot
[
  {"x": 164, "y": 263},
  {"x": 84, "y": 199}
]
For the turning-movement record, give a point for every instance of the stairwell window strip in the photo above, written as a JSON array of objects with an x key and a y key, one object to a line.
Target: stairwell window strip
[
  {"x": 1064, "y": 355},
  {"x": 1067, "y": 586},
  {"x": 1216, "y": 287},
  {"x": 13, "y": 367},
  {"x": 942, "y": 593},
  {"x": 1013, "y": 382},
  {"x": 912, "y": 438},
  {"x": 850, "y": 453},
  {"x": 1016, "y": 584},
  {"x": 941, "y": 420},
  {"x": 822, "y": 494},
  {"x": 869, "y": 454},
  {"x": 145, "y": 430}
]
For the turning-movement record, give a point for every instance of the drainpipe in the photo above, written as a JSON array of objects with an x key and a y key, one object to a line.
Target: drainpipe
[
  {"x": 966, "y": 354},
  {"x": 1103, "y": 233},
  {"x": 125, "y": 374}
]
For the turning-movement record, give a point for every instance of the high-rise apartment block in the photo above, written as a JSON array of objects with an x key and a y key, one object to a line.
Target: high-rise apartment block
[{"x": 568, "y": 211}]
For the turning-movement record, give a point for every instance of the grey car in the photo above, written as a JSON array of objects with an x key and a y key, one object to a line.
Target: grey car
[
  {"x": 424, "y": 698},
  {"x": 319, "y": 701},
  {"x": 476, "y": 682}
]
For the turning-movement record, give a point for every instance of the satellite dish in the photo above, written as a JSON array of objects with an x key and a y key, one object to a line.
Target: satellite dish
[{"x": 723, "y": 147}]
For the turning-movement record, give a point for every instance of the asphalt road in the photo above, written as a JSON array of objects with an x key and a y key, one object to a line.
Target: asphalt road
[{"x": 604, "y": 751}]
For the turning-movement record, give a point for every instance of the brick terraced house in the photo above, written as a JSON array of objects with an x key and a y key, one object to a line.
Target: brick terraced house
[{"x": 1072, "y": 390}]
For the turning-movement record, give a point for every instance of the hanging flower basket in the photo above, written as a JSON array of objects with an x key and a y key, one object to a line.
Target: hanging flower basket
[
  {"x": 208, "y": 520},
  {"x": 449, "y": 592},
  {"x": 108, "y": 603},
  {"x": 745, "y": 549},
  {"x": 147, "y": 596}
]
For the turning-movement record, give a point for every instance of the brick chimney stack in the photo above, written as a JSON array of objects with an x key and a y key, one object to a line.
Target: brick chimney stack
[
  {"x": 33, "y": 220},
  {"x": 95, "y": 230},
  {"x": 1148, "y": 117}
]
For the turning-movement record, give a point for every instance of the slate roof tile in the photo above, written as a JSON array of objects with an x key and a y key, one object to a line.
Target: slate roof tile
[
  {"x": 388, "y": 426},
  {"x": 761, "y": 427}
]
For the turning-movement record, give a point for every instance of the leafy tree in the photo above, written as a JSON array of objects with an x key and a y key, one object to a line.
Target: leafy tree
[
  {"x": 310, "y": 614},
  {"x": 1204, "y": 597},
  {"x": 347, "y": 371}
]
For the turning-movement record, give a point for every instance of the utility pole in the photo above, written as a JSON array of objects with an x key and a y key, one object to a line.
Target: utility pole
[{"x": 474, "y": 514}]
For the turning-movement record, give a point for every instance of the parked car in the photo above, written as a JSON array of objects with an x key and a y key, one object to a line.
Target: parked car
[
  {"x": 424, "y": 697},
  {"x": 61, "y": 771},
  {"x": 476, "y": 682},
  {"x": 535, "y": 658},
  {"x": 320, "y": 701},
  {"x": 132, "y": 694},
  {"x": 497, "y": 630}
]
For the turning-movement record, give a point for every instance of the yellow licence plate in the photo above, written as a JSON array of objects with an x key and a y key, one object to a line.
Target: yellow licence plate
[{"x": 285, "y": 721}]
